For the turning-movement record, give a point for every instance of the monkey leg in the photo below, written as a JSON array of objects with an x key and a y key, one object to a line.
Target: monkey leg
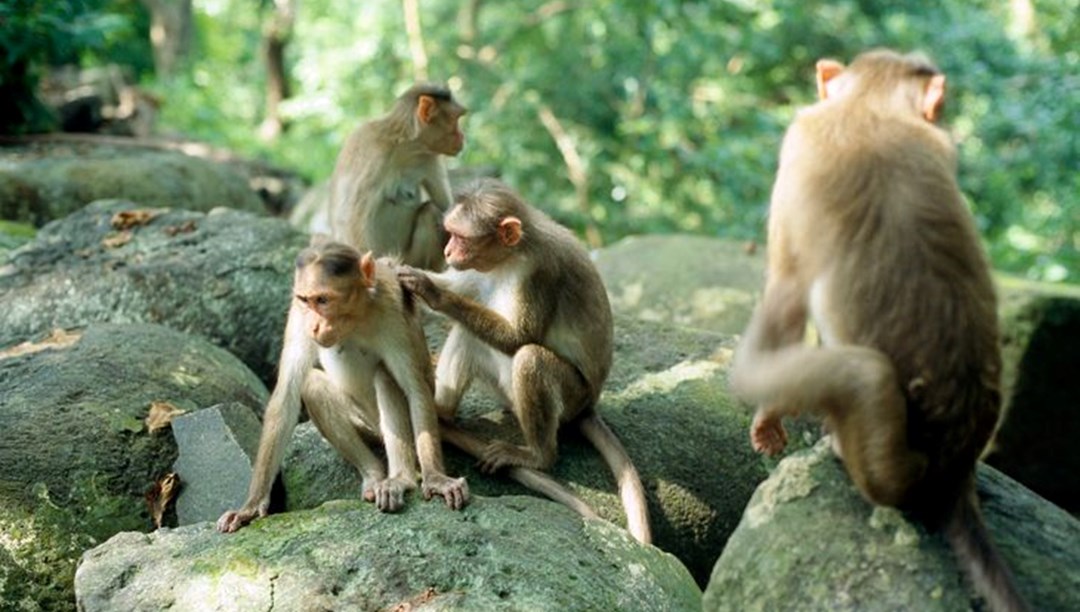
[
  {"x": 870, "y": 428},
  {"x": 767, "y": 433},
  {"x": 345, "y": 423},
  {"x": 545, "y": 392},
  {"x": 389, "y": 493},
  {"x": 454, "y": 372},
  {"x": 425, "y": 248}
]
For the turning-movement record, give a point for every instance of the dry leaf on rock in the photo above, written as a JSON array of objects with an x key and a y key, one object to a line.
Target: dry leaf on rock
[
  {"x": 116, "y": 239},
  {"x": 127, "y": 219},
  {"x": 59, "y": 338},
  {"x": 161, "y": 416},
  {"x": 160, "y": 495},
  {"x": 183, "y": 228}
]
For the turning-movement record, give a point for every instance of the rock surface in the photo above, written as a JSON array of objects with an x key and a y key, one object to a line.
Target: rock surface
[
  {"x": 224, "y": 275},
  {"x": 46, "y": 181},
  {"x": 1037, "y": 443},
  {"x": 76, "y": 455},
  {"x": 216, "y": 448},
  {"x": 515, "y": 553},
  {"x": 809, "y": 537},
  {"x": 693, "y": 281}
]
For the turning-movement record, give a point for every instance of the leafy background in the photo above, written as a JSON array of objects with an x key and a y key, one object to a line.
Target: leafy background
[{"x": 669, "y": 113}]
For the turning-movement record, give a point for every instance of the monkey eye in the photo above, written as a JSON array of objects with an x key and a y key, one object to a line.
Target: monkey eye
[{"x": 321, "y": 300}]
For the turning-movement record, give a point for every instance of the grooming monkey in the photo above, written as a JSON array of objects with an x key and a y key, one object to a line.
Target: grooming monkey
[
  {"x": 870, "y": 238},
  {"x": 350, "y": 315},
  {"x": 376, "y": 202},
  {"x": 532, "y": 319}
]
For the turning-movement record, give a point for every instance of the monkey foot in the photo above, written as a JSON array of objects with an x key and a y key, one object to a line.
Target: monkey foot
[
  {"x": 455, "y": 491},
  {"x": 235, "y": 519},
  {"x": 499, "y": 454},
  {"x": 767, "y": 434},
  {"x": 388, "y": 494}
]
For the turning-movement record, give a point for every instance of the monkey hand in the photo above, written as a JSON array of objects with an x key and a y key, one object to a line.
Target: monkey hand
[
  {"x": 767, "y": 433},
  {"x": 235, "y": 519},
  {"x": 455, "y": 491},
  {"x": 417, "y": 282},
  {"x": 388, "y": 494}
]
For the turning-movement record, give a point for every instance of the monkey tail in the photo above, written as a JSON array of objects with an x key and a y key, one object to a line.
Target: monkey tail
[
  {"x": 966, "y": 532},
  {"x": 530, "y": 478},
  {"x": 630, "y": 489}
]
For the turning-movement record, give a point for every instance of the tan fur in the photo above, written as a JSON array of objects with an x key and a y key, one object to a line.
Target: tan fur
[
  {"x": 870, "y": 237},
  {"x": 385, "y": 168},
  {"x": 532, "y": 318},
  {"x": 350, "y": 316}
]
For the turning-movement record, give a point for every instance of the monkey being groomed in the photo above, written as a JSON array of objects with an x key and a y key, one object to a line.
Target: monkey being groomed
[
  {"x": 870, "y": 238},
  {"x": 350, "y": 315},
  {"x": 383, "y": 171},
  {"x": 531, "y": 317}
]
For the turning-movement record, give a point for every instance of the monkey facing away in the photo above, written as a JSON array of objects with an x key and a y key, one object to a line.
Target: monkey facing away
[
  {"x": 376, "y": 202},
  {"x": 869, "y": 237},
  {"x": 532, "y": 319},
  {"x": 350, "y": 316}
]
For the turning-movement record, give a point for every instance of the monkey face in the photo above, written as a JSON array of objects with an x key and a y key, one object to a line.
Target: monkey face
[{"x": 330, "y": 305}]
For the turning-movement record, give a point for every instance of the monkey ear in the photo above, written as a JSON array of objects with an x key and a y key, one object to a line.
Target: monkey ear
[
  {"x": 425, "y": 108},
  {"x": 934, "y": 98},
  {"x": 367, "y": 269},
  {"x": 510, "y": 231},
  {"x": 827, "y": 70}
]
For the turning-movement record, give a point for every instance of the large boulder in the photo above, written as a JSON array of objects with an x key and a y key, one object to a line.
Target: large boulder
[
  {"x": 1037, "y": 442},
  {"x": 666, "y": 399},
  {"x": 76, "y": 455},
  {"x": 515, "y": 553},
  {"x": 44, "y": 181},
  {"x": 225, "y": 275},
  {"x": 693, "y": 281},
  {"x": 809, "y": 540}
]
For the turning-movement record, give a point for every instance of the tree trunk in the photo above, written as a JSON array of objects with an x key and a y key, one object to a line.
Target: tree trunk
[
  {"x": 276, "y": 36},
  {"x": 416, "y": 38},
  {"x": 171, "y": 29}
]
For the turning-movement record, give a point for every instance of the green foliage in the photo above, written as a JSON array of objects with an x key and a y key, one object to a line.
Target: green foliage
[
  {"x": 676, "y": 108},
  {"x": 38, "y": 33}
]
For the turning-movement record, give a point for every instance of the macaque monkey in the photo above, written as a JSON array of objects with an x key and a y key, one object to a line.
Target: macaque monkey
[
  {"x": 350, "y": 315},
  {"x": 532, "y": 319},
  {"x": 375, "y": 191},
  {"x": 869, "y": 238}
]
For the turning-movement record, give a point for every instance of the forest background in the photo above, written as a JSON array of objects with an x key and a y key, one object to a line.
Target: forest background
[{"x": 617, "y": 117}]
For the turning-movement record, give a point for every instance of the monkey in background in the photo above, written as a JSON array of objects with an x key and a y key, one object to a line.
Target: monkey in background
[
  {"x": 350, "y": 316},
  {"x": 869, "y": 237},
  {"x": 376, "y": 190},
  {"x": 532, "y": 319}
]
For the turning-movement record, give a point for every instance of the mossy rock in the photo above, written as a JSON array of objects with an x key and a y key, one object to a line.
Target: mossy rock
[
  {"x": 225, "y": 275},
  {"x": 76, "y": 457},
  {"x": 692, "y": 281},
  {"x": 43, "y": 182},
  {"x": 1036, "y": 444},
  {"x": 809, "y": 537},
  {"x": 511, "y": 553}
]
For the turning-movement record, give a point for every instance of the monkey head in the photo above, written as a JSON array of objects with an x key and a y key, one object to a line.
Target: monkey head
[
  {"x": 879, "y": 71},
  {"x": 481, "y": 247},
  {"x": 438, "y": 115},
  {"x": 331, "y": 287}
]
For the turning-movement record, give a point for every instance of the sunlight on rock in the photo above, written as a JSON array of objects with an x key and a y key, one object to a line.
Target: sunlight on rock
[
  {"x": 791, "y": 480},
  {"x": 666, "y": 381}
]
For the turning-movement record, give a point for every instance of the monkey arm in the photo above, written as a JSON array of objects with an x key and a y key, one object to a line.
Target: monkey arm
[
  {"x": 437, "y": 183},
  {"x": 282, "y": 412}
]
